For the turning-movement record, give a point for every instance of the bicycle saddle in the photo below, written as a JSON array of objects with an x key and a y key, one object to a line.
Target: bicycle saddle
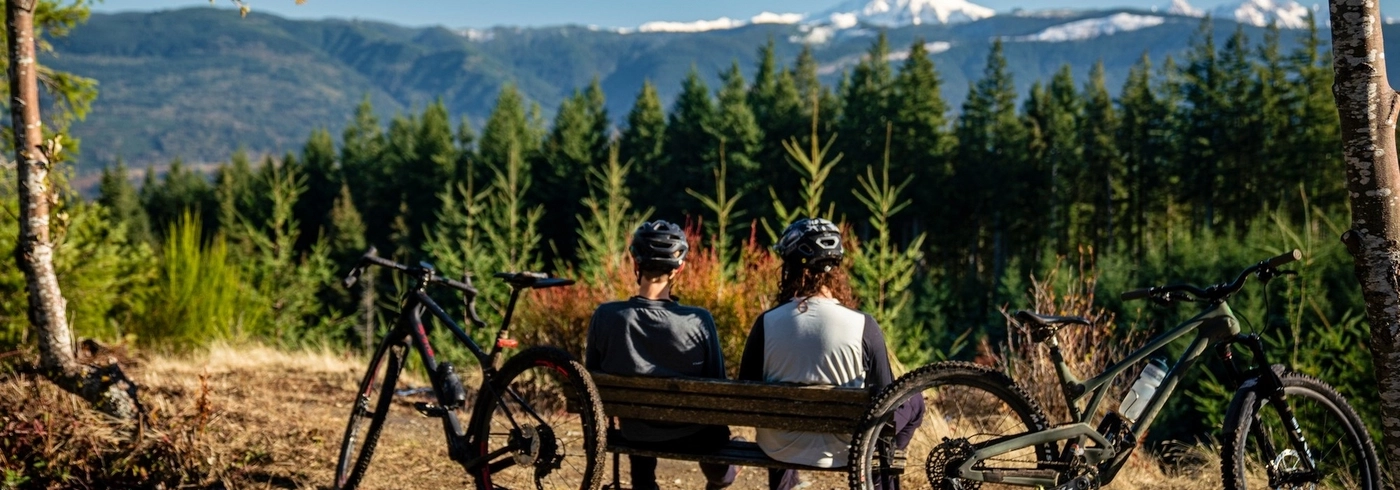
[
  {"x": 534, "y": 280},
  {"x": 1042, "y": 327}
]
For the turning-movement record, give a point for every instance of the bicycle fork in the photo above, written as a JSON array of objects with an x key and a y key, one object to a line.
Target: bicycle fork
[{"x": 1266, "y": 380}]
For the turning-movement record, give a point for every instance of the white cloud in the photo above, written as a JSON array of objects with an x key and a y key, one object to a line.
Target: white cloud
[{"x": 1091, "y": 28}]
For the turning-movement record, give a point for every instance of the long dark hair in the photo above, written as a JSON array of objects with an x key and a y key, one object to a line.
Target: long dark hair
[{"x": 802, "y": 281}]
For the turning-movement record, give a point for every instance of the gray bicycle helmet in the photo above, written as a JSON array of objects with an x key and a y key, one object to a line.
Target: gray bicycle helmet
[
  {"x": 658, "y": 246},
  {"x": 814, "y": 243}
]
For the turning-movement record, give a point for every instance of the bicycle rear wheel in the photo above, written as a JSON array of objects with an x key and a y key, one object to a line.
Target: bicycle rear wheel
[
  {"x": 376, "y": 393},
  {"x": 541, "y": 423},
  {"x": 1258, "y": 453},
  {"x": 966, "y": 407}
]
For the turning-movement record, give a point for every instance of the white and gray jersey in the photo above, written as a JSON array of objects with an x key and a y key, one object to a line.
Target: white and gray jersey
[{"x": 814, "y": 342}]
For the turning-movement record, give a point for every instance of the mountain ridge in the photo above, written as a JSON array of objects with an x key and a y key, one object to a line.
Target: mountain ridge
[{"x": 213, "y": 82}]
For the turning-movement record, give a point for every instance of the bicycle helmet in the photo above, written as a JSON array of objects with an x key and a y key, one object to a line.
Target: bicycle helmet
[
  {"x": 658, "y": 246},
  {"x": 814, "y": 243}
]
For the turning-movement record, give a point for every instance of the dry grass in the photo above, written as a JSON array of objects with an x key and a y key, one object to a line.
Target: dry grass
[{"x": 256, "y": 417}]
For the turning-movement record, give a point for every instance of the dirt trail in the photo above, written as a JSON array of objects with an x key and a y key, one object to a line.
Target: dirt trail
[{"x": 280, "y": 416}]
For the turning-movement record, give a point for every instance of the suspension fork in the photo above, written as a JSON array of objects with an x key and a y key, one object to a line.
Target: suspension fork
[{"x": 1269, "y": 384}]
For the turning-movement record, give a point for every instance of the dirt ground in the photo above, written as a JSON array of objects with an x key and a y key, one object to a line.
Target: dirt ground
[{"x": 280, "y": 417}]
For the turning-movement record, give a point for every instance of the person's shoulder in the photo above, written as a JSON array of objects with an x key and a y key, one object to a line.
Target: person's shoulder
[
  {"x": 689, "y": 310},
  {"x": 612, "y": 308}
]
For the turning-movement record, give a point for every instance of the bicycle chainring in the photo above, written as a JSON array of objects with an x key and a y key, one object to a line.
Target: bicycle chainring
[{"x": 943, "y": 462}]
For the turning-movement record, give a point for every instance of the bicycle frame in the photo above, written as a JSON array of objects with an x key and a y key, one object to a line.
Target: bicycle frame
[
  {"x": 1217, "y": 323},
  {"x": 410, "y": 324}
]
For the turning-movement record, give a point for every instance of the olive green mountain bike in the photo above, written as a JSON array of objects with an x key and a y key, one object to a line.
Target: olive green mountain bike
[{"x": 1283, "y": 429}]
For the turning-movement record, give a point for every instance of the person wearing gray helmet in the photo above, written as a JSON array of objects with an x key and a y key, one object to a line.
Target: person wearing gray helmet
[{"x": 652, "y": 334}]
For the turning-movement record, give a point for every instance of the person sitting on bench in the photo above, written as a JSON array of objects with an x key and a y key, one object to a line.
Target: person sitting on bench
[
  {"x": 814, "y": 337},
  {"x": 651, "y": 334}
]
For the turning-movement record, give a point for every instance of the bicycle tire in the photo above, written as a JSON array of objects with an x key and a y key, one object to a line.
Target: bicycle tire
[
  {"x": 351, "y": 466},
  {"x": 1019, "y": 414},
  {"x": 551, "y": 393},
  {"x": 1309, "y": 398}
]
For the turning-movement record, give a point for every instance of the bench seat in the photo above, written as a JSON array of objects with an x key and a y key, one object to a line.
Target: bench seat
[{"x": 735, "y": 404}]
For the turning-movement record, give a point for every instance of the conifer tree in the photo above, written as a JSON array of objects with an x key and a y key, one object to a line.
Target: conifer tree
[
  {"x": 430, "y": 165},
  {"x": 813, "y": 94},
  {"x": 1060, "y": 171},
  {"x": 1098, "y": 133},
  {"x": 866, "y": 99},
  {"x": 1240, "y": 132},
  {"x": 600, "y": 136},
  {"x": 642, "y": 144},
  {"x": 180, "y": 190},
  {"x": 234, "y": 191},
  {"x": 737, "y": 129},
  {"x": 1138, "y": 108},
  {"x": 1204, "y": 96},
  {"x": 921, "y": 144},
  {"x": 568, "y": 153},
  {"x": 690, "y": 149},
  {"x": 116, "y": 193},
  {"x": 323, "y": 182},
  {"x": 781, "y": 114},
  {"x": 1314, "y": 135},
  {"x": 990, "y": 168},
  {"x": 509, "y": 131},
  {"x": 362, "y": 150}
]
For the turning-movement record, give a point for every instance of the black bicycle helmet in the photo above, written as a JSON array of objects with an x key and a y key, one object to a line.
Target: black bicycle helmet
[
  {"x": 658, "y": 246},
  {"x": 814, "y": 243}
]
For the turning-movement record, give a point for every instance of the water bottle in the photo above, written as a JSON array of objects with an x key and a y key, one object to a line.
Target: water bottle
[{"x": 1135, "y": 401}]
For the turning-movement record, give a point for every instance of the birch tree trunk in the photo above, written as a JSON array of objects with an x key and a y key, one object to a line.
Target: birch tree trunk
[
  {"x": 1367, "y": 105},
  {"x": 105, "y": 387}
]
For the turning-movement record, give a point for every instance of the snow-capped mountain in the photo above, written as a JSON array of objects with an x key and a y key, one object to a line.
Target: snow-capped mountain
[
  {"x": 902, "y": 12},
  {"x": 1288, "y": 13},
  {"x": 1092, "y": 28},
  {"x": 1182, "y": 7}
]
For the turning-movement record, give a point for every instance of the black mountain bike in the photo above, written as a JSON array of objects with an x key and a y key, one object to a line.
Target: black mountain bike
[
  {"x": 535, "y": 420},
  {"x": 1283, "y": 429}
]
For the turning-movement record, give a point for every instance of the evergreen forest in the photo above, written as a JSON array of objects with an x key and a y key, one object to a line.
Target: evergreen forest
[{"x": 957, "y": 212}]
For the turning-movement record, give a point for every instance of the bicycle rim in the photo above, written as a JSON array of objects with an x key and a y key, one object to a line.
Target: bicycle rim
[
  {"x": 367, "y": 413},
  {"x": 967, "y": 407},
  {"x": 1260, "y": 455},
  {"x": 541, "y": 425}
]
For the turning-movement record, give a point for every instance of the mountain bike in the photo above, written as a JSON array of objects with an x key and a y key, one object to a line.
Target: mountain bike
[
  {"x": 535, "y": 421},
  {"x": 984, "y": 431}
]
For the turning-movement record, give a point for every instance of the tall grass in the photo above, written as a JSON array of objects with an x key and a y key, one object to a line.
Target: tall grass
[{"x": 199, "y": 296}]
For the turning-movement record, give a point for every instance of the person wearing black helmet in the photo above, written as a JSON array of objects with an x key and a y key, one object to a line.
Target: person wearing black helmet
[
  {"x": 816, "y": 337},
  {"x": 651, "y": 334}
]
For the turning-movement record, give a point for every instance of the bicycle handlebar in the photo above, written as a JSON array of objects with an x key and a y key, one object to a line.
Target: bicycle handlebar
[
  {"x": 1219, "y": 291},
  {"x": 371, "y": 258}
]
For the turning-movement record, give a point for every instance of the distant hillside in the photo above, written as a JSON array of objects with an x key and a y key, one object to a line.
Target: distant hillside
[{"x": 198, "y": 83}]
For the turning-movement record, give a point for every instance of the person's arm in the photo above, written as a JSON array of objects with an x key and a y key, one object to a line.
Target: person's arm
[
  {"x": 878, "y": 374},
  {"x": 714, "y": 353},
  {"x": 593, "y": 350},
  {"x": 751, "y": 364}
]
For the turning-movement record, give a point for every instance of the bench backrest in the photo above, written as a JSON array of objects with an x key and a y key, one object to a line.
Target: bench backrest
[{"x": 734, "y": 403}]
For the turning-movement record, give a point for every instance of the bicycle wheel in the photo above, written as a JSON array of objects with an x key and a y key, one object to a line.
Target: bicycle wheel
[
  {"x": 541, "y": 423},
  {"x": 966, "y": 407},
  {"x": 372, "y": 402},
  {"x": 1257, "y": 452}
]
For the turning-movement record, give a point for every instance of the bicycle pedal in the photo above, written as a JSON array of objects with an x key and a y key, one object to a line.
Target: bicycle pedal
[{"x": 431, "y": 410}]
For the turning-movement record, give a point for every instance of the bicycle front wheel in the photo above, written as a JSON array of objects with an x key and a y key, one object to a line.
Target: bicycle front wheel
[
  {"x": 376, "y": 393},
  {"x": 539, "y": 423},
  {"x": 967, "y": 406},
  {"x": 1258, "y": 452}
]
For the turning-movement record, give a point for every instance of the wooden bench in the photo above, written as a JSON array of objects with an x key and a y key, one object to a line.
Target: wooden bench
[{"x": 732, "y": 403}]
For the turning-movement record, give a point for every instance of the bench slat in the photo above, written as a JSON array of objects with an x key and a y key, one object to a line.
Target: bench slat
[
  {"x": 730, "y": 418},
  {"x": 792, "y": 408},
  {"x": 751, "y": 389}
]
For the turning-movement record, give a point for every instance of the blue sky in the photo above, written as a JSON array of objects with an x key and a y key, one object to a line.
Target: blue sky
[{"x": 614, "y": 13}]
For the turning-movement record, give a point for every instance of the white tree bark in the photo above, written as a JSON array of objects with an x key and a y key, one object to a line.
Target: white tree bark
[
  {"x": 107, "y": 388},
  {"x": 1367, "y": 106}
]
